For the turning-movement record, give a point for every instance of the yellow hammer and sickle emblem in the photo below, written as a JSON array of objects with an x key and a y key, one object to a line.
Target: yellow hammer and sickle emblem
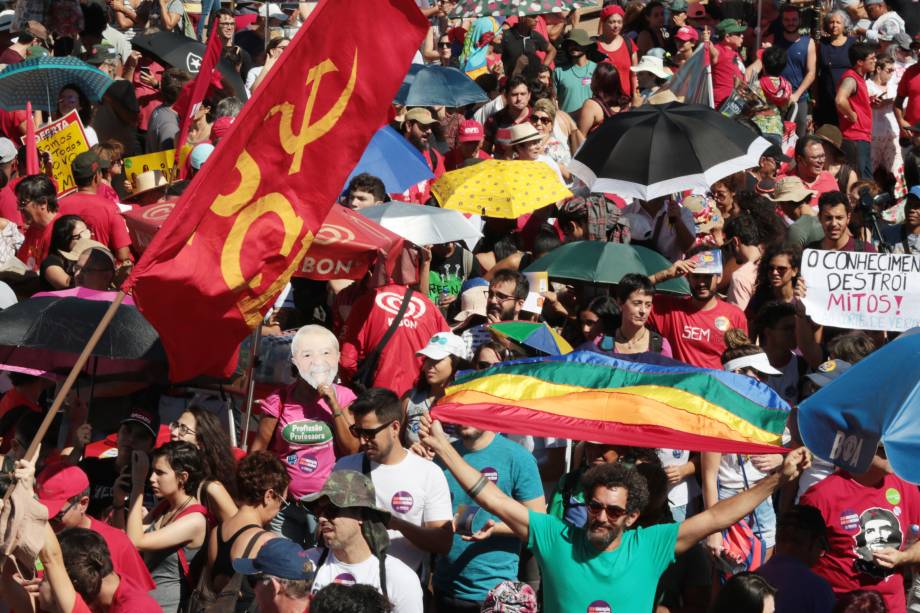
[{"x": 310, "y": 131}]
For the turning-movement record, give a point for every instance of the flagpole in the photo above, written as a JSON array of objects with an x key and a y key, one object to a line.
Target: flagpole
[
  {"x": 757, "y": 29},
  {"x": 250, "y": 385}
]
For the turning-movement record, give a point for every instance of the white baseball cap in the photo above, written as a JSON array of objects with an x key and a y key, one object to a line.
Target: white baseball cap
[
  {"x": 442, "y": 345},
  {"x": 6, "y": 20},
  {"x": 7, "y": 150}
]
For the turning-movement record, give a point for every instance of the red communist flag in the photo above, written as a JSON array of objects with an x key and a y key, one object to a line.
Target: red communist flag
[{"x": 246, "y": 220}]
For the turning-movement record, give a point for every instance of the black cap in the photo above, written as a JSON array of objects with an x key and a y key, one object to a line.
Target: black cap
[
  {"x": 773, "y": 151},
  {"x": 87, "y": 164}
]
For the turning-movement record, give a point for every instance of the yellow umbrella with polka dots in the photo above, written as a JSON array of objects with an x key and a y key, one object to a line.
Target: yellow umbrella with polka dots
[{"x": 500, "y": 188}]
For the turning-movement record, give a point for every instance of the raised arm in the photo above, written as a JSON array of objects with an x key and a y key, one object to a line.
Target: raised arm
[
  {"x": 514, "y": 514},
  {"x": 725, "y": 513}
]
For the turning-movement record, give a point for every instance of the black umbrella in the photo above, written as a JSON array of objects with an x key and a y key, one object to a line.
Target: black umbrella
[
  {"x": 49, "y": 332},
  {"x": 657, "y": 150},
  {"x": 180, "y": 51}
]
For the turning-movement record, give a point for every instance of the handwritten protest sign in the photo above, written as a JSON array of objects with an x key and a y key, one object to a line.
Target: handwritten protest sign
[
  {"x": 863, "y": 291},
  {"x": 158, "y": 160},
  {"x": 63, "y": 140}
]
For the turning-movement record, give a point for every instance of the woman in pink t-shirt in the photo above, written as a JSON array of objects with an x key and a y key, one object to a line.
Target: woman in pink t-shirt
[{"x": 305, "y": 424}]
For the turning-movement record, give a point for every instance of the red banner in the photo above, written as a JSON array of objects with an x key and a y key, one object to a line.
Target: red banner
[
  {"x": 193, "y": 93},
  {"x": 247, "y": 219}
]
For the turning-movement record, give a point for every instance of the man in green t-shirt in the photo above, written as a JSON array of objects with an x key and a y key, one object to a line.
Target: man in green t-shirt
[
  {"x": 573, "y": 81},
  {"x": 605, "y": 567}
]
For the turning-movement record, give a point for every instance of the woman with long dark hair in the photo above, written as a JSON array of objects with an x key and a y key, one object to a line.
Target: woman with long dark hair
[
  {"x": 57, "y": 269},
  {"x": 203, "y": 429},
  {"x": 651, "y": 30},
  {"x": 776, "y": 277},
  {"x": 745, "y": 593},
  {"x": 607, "y": 98}
]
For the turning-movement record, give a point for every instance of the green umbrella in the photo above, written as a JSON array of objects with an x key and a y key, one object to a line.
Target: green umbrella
[{"x": 602, "y": 262}]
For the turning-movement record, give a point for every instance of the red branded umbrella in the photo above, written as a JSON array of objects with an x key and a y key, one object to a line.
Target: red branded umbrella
[{"x": 346, "y": 246}]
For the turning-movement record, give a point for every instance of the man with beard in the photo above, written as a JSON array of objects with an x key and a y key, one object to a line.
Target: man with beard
[
  {"x": 695, "y": 326},
  {"x": 411, "y": 488},
  {"x": 416, "y": 128},
  {"x": 485, "y": 551},
  {"x": 801, "y": 64},
  {"x": 573, "y": 82},
  {"x": 304, "y": 423},
  {"x": 604, "y": 566},
  {"x": 834, "y": 216},
  {"x": 507, "y": 292}
]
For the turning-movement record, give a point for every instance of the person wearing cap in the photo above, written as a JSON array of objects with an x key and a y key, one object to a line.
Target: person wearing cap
[
  {"x": 767, "y": 168},
  {"x": 64, "y": 490},
  {"x": 199, "y": 155},
  {"x": 284, "y": 576},
  {"x": 854, "y": 108},
  {"x": 416, "y": 128},
  {"x": 353, "y": 529},
  {"x": 80, "y": 577},
  {"x": 726, "y": 63},
  {"x": 443, "y": 357},
  {"x": 620, "y": 50},
  {"x": 870, "y": 519},
  {"x": 685, "y": 39},
  {"x": 605, "y": 562},
  {"x": 100, "y": 214},
  {"x": 104, "y": 57},
  {"x": 573, "y": 80},
  {"x": 905, "y": 236},
  {"x": 801, "y": 63},
  {"x": 676, "y": 21},
  {"x": 801, "y": 540},
  {"x": 411, "y": 488},
  {"x": 136, "y": 432},
  {"x": 835, "y": 161},
  {"x": 527, "y": 144},
  {"x": 469, "y": 145},
  {"x": 885, "y": 23},
  {"x": 9, "y": 169}
]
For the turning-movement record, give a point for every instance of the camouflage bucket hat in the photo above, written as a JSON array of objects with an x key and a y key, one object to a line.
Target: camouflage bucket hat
[{"x": 350, "y": 489}]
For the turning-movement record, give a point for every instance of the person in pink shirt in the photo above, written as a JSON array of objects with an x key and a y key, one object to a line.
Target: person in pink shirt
[{"x": 307, "y": 426}]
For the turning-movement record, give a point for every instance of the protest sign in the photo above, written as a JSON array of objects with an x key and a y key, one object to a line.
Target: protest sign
[
  {"x": 539, "y": 284},
  {"x": 63, "y": 140},
  {"x": 158, "y": 160},
  {"x": 863, "y": 291}
]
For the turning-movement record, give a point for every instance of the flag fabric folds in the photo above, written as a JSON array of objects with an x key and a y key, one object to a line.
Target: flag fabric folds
[
  {"x": 246, "y": 220},
  {"x": 195, "y": 92},
  {"x": 586, "y": 395},
  {"x": 692, "y": 83}
]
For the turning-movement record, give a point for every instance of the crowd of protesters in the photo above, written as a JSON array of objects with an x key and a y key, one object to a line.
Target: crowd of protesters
[{"x": 350, "y": 497}]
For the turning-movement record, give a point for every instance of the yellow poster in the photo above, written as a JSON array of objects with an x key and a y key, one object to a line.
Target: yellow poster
[
  {"x": 158, "y": 160},
  {"x": 63, "y": 140}
]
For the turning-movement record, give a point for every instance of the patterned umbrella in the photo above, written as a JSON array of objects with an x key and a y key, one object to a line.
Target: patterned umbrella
[
  {"x": 506, "y": 8},
  {"x": 500, "y": 188},
  {"x": 40, "y": 80}
]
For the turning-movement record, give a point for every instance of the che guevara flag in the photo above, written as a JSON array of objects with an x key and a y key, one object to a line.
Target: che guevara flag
[{"x": 246, "y": 220}]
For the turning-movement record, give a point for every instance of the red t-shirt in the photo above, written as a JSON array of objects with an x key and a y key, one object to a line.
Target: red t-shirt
[
  {"x": 454, "y": 158},
  {"x": 909, "y": 88},
  {"x": 9, "y": 205},
  {"x": 724, "y": 72},
  {"x": 126, "y": 560},
  {"x": 128, "y": 598},
  {"x": 861, "y": 129},
  {"x": 823, "y": 183},
  {"x": 858, "y": 518},
  {"x": 34, "y": 248},
  {"x": 11, "y": 125},
  {"x": 398, "y": 367},
  {"x": 696, "y": 336},
  {"x": 421, "y": 192},
  {"x": 101, "y": 217}
]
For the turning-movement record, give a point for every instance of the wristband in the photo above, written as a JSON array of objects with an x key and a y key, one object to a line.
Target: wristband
[
  {"x": 338, "y": 414},
  {"x": 477, "y": 487}
]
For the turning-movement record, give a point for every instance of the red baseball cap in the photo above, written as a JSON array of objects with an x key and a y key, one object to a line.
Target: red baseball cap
[
  {"x": 686, "y": 33},
  {"x": 470, "y": 130},
  {"x": 59, "y": 483}
]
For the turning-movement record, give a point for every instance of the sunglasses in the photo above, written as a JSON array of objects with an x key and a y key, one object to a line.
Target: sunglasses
[
  {"x": 443, "y": 45},
  {"x": 613, "y": 511},
  {"x": 60, "y": 516},
  {"x": 367, "y": 433},
  {"x": 482, "y": 365},
  {"x": 539, "y": 119},
  {"x": 780, "y": 269}
]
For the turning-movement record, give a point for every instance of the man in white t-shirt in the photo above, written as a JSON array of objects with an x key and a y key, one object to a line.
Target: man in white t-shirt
[
  {"x": 413, "y": 489},
  {"x": 354, "y": 531}
]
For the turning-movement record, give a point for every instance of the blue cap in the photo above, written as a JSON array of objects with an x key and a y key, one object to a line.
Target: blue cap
[
  {"x": 200, "y": 154},
  {"x": 828, "y": 371},
  {"x": 474, "y": 282},
  {"x": 279, "y": 557},
  {"x": 915, "y": 192}
]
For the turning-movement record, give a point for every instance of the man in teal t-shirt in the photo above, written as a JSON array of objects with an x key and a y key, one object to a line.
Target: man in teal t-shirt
[
  {"x": 573, "y": 82},
  {"x": 605, "y": 567}
]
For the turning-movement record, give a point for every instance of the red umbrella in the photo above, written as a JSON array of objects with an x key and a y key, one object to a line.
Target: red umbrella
[{"x": 346, "y": 246}]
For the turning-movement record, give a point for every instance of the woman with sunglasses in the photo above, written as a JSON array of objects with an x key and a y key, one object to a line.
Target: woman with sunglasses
[
  {"x": 171, "y": 535},
  {"x": 261, "y": 487},
  {"x": 443, "y": 357},
  {"x": 543, "y": 118},
  {"x": 776, "y": 277},
  {"x": 57, "y": 270},
  {"x": 725, "y": 475},
  {"x": 203, "y": 429}
]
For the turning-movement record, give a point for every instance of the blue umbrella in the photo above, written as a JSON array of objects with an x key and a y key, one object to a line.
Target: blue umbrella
[
  {"x": 393, "y": 160},
  {"x": 39, "y": 81},
  {"x": 407, "y": 82},
  {"x": 439, "y": 86},
  {"x": 878, "y": 399}
]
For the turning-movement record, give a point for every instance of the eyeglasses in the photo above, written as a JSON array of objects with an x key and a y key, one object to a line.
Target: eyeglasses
[
  {"x": 225, "y": 24},
  {"x": 613, "y": 511},
  {"x": 60, "y": 516},
  {"x": 367, "y": 433},
  {"x": 499, "y": 297},
  {"x": 443, "y": 45},
  {"x": 780, "y": 269},
  {"x": 182, "y": 428},
  {"x": 540, "y": 119}
]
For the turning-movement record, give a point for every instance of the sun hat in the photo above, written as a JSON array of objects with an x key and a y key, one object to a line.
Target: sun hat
[
  {"x": 654, "y": 65},
  {"x": 524, "y": 133},
  {"x": 790, "y": 189}
]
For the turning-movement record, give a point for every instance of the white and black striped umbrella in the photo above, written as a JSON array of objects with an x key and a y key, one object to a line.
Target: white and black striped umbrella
[{"x": 657, "y": 150}]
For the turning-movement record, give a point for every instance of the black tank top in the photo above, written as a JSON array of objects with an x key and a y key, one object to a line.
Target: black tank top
[{"x": 223, "y": 563}]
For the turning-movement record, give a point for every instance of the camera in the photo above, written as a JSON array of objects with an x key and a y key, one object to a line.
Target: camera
[{"x": 869, "y": 204}]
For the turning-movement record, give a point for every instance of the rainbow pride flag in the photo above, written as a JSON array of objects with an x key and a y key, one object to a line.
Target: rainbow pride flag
[{"x": 591, "y": 396}]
